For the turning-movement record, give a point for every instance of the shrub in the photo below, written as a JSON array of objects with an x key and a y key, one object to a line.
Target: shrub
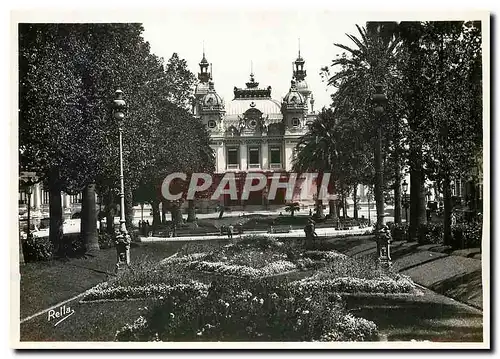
[
  {"x": 430, "y": 233},
  {"x": 260, "y": 242},
  {"x": 133, "y": 332},
  {"x": 343, "y": 266},
  {"x": 106, "y": 240},
  {"x": 109, "y": 292},
  {"x": 466, "y": 235},
  {"x": 383, "y": 285},
  {"x": 350, "y": 328},
  {"x": 399, "y": 231},
  {"x": 277, "y": 267},
  {"x": 262, "y": 311},
  {"x": 146, "y": 272},
  {"x": 37, "y": 249}
]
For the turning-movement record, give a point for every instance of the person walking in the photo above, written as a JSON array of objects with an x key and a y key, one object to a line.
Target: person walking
[
  {"x": 230, "y": 230},
  {"x": 174, "y": 229}
]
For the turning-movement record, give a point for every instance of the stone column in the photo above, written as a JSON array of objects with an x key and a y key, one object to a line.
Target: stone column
[
  {"x": 37, "y": 196},
  {"x": 221, "y": 157},
  {"x": 264, "y": 149},
  {"x": 243, "y": 156},
  {"x": 66, "y": 200},
  {"x": 287, "y": 158}
]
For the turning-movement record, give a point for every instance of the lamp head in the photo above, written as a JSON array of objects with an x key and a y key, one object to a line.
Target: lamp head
[
  {"x": 119, "y": 106},
  {"x": 379, "y": 98}
]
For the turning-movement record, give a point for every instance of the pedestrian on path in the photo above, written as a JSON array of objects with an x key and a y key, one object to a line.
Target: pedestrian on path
[{"x": 230, "y": 230}]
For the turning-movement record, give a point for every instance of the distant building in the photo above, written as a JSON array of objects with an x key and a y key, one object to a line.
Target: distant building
[{"x": 254, "y": 131}]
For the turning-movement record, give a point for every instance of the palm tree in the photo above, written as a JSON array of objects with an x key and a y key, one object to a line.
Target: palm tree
[
  {"x": 292, "y": 208},
  {"x": 317, "y": 152},
  {"x": 372, "y": 61}
]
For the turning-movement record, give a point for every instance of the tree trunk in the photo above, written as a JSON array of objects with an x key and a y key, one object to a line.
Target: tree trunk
[
  {"x": 333, "y": 209},
  {"x": 55, "y": 213},
  {"x": 417, "y": 194},
  {"x": 109, "y": 208},
  {"x": 191, "y": 211},
  {"x": 175, "y": 209},
  {"x": 447, "y": 212},
  {"x": 397, "y": 197},
  {"x": 319, "y": 208},
  {"x": 155, "y": 206},
  {"x": 110, "y": 221},
  {"x": 164, "y": 211},
  {"x": 344, "y": 214},
  {"x": 397, "y": 192},
  {"x": 355, "y": 201},
  {"x": 88, "y": 224}
]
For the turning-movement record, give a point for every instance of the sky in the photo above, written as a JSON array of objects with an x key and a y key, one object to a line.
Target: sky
[{"x": 236, "y": 40}]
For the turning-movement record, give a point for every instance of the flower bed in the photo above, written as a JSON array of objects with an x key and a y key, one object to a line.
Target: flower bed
[
  {"x": 384, "y": 285},
  {"x": 184, "y": 259},
  {"x": 106, "y": 291},
  {"x": 240, "y": 270},
  {"x": 350, "y": 328},
  {"x": 324, "y": 255},
  {"x": 258, "y": 312}
]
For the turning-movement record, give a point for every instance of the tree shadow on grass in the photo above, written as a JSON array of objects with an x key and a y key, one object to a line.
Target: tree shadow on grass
[
  {"x": 465, "y": 288},
  {"x": 420, "y": 319}
]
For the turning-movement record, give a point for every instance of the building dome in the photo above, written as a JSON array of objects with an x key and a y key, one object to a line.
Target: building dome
[
  {"x": 212, "y": 100},
  {"x": 267, "y": 106},
  {"x": 294, "y": 97}
]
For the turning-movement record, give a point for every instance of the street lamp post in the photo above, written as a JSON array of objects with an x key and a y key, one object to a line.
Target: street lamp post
[
  {"x": 382, "y": 233},
  {"x": 405, "y": 199},
  {"x": 122, "y": 238}
]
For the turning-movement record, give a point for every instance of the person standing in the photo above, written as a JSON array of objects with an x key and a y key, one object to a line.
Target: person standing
[
  {"x": 230, "y": 230},
  {"x": 174, "y": 229}
]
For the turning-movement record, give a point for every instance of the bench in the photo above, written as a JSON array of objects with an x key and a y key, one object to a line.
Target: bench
[
  {"x": 236, "y": 230},
  {"x": 280, "y": 229}
]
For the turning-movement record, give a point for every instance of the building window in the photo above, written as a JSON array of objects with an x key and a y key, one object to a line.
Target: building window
[
  {"x": 233, "y": 158},
  {"x": 75, "y": 198},
  {"x": 295, "y": 122},
  {"x": 253, "y": 157},
  {"x": 275, "y": 158},
  {"x": 211, "y": 124},
  {"x": 45, "y": 197}
]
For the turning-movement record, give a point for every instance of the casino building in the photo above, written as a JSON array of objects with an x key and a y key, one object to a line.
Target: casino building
[{"x": 254, "y": 131}]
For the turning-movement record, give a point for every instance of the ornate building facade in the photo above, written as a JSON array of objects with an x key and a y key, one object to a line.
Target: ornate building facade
[{"x": 254, "y": 131}]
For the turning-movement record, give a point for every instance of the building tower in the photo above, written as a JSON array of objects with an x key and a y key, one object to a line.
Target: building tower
[
  {"x": 204, "y": 76},
  {"x": 299, "y": 74},
  {"x": 211, "y": 109}
]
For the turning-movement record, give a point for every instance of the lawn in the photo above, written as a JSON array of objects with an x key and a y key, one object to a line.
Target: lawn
[{"x": 44, "y": 284}]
